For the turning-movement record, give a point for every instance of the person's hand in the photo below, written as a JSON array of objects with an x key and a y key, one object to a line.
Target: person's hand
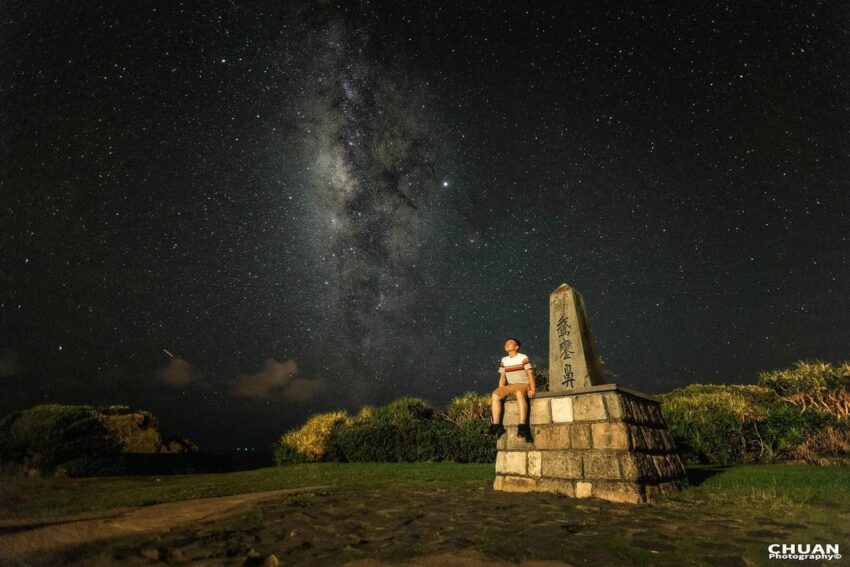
[{"x": 531, "y": 393}]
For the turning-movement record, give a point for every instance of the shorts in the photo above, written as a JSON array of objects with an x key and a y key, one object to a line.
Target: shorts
[{"x": 507, "y": 389}]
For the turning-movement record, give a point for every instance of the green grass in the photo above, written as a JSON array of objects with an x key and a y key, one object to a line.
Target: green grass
[
  {"x": 785, "y": 488},
  {"x": 773, "y": 485},
  {"x": 49, "y": 497}
]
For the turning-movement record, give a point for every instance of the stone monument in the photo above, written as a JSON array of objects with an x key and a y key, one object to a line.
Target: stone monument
[{"x": 588, "y": 438}]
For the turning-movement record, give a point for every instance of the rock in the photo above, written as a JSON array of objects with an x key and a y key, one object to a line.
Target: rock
[
  {"x": 271, "y": 561},
  {"x": 151, "y": 553},
  {"x": 174, "y": 555}
]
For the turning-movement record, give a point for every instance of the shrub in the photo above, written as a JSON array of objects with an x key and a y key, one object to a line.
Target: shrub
[
  {"x": 408, "y": 430},
  {"x": 312, "y": 440},
  {"x": 474, "y": 446},
  {"x": 817, "y": 386},
  {"x": 286, "y": 454},
  {"x": 468, "y": 407},
  {"x": 823, "y": 446},
  {"x": 79, "y": 440},
  {"x": 724, "y": 424},
  {"x": 402, "y": 410},
  {"x": 706, "y": 422},
  {"x": 46, "y": 435}
]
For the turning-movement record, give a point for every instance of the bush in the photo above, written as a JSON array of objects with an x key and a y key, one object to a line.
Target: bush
[
  {"x": 706, "y": 422},
  {"x": 79, "y": 440},
  {"x": 468, "y": 407},
  {"x": 402, "y": 411},
  {"x": 813, "y": 386},
  {"x": 724, "y": 424},
  {"x": 44, "y": 436},
  {"x": 406, "y": 430},
  {"x": 312, "y": 441}
]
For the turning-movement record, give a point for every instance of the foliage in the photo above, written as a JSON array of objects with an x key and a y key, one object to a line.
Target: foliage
[
  {"x": 405, "y": 430},
  {"x": 135, "y": 431},
  {"x": 468, "y": 407},
  {"x": 312, "y": 440},
  {"x": 70, "y": 440},
  {"x": 402, "y": 411},
  {"x": 541, "y": 379},
  {"x": 723, "y": 424},
  {"x": 813, "y": 386}
]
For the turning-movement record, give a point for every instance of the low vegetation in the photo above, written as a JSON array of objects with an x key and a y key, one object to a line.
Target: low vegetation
[
  {"x": 798, "y": 413},
  {"x": 70, "y": 440}
]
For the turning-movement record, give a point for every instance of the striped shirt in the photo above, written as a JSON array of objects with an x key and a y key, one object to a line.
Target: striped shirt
[{"x": 515, "y": 368}]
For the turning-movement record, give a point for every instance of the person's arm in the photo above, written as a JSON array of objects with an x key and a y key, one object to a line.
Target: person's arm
[
  {"x": 502, "y": 378},
  {"x": 532, "y": 385}
]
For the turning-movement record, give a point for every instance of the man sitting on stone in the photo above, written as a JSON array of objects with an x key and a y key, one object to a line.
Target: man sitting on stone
[{"x": 515, "y": 377}]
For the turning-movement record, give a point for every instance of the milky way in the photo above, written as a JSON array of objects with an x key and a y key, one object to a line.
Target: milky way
[
  {"x": 235, "y": 216},
  {"x": 376, "y": 213}
]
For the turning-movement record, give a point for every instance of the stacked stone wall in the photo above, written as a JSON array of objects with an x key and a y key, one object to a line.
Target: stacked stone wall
[{"x": 608, "y": 442}]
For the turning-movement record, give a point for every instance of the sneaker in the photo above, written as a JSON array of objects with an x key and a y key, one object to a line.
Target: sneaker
[
  {"x": 495, "y": 429},
  {"x": 522, "y": 431}
]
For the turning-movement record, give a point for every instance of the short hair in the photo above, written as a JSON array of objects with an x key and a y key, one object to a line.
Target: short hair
[{"x": 514, "y": 339}]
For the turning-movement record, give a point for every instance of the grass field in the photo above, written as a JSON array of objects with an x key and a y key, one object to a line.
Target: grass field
[{"x": 395, "y": 512}]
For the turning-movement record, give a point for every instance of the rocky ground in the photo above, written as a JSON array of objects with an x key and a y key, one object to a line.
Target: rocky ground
[{"x": 414, "y": 521}]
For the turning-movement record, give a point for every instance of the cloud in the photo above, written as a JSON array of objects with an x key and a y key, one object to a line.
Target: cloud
[
  {"x": 178, "y": 372},
  {"x": 9, "y": 365},
  {"x": 278, "y": 379},
  {"x": 304, "y": 389}
]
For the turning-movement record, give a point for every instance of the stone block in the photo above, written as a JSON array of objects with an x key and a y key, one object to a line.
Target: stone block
[
  {"x": 558, "y": 485},
  {"x": 551, "y": 436},
  {"x": 588, "y": 407},
  {"x": 636, "y": 438},
  {"x": 680, "y": 466},
  {"x": 519, "y": 484},
  {"x": 629, "y": 408},
  {"x": 667, "y": 466},
  {"x": 512, "y": 443},
  {"x": 501, "y": 442},
  {"x": 654, "y": 490},
  {"x": 655, "y": 413},
  {"x": 540, "y": 411},
  {"x": 609, "y": 435},
  {"x": 584, "y": 489},
  {"x": 667, "y": 440},
  {"x": 627, "y": 492},
  {"x": 534, "y": 463},
  {"x": 613, "y": 405},
  {"x": 511, "y": 413},
  {"x": 601, "y": 464},
  {"x": 510, "y": 462},
  {"x": 654, "y": 440},
  {"x": 562, "y": 409},
  {"x": 580, "y": 436},
  {"x": 497, "y": 483},
  {"x": 560, "y": 464},
  {"x": 637, "y": 467}
]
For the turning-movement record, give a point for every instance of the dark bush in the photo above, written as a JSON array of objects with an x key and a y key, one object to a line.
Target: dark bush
[{"x": 81, "y": 440}]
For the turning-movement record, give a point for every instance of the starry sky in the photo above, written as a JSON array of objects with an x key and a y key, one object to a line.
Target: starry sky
[{"x": 236, "y": 214}]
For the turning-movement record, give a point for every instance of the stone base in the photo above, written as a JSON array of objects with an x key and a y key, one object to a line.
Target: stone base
[
  {"x": 615, "y": 491},
  {"x": 605, "y": 441}
]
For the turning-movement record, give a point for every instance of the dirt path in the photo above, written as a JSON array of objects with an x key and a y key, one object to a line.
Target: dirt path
[{"x": 19, "y": 537}]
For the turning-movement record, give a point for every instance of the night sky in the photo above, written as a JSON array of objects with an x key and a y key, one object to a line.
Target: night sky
[{"x": 237, "y": 214}]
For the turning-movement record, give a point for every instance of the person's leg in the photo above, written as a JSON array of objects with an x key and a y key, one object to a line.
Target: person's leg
[
  {"x": 496, "y": 406},
  {"x": 522, "y": 403},
  {"x": 498, "y": 395}
]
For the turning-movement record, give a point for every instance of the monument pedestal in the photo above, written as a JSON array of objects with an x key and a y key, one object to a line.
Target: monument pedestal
[{"x": 606, "y": 441}]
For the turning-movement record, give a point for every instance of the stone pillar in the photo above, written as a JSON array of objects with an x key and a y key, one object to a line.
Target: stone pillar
[
  {"x": 588, "y": 438},
  {"x": 573, "y": 359},
  {"x": 606, "y": 441}
]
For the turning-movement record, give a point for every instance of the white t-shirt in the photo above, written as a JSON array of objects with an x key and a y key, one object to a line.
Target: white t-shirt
[{"x": 515, "y": 368}]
